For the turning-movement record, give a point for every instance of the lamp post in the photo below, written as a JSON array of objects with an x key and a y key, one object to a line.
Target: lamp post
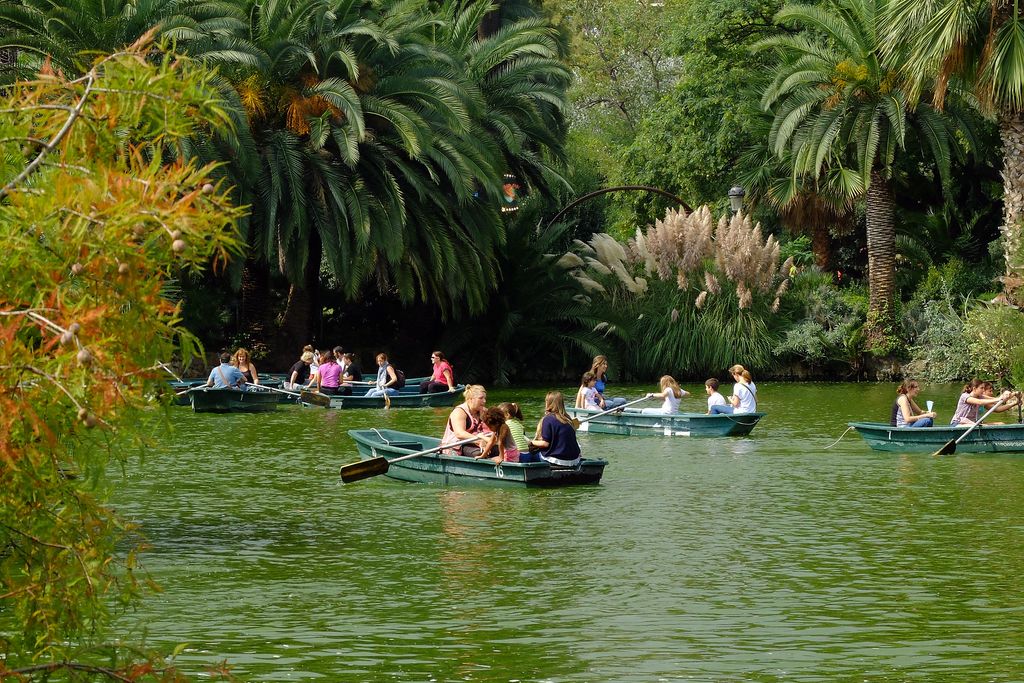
[{"x": 736, "y": 198}]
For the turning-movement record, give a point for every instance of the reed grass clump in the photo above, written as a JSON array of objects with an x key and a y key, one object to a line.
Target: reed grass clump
[{"x": 696, "y": 295}]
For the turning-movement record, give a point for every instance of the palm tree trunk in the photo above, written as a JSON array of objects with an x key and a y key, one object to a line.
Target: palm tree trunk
[
  {"x": 255, "y": 303},
  {"x": 881, "y": 232},
  {"x": 821, "y": 246},
  {"x": 490, "y": 24},
  {"x": 300, "y": 323},
  {"x": 1011, "y": 131}
]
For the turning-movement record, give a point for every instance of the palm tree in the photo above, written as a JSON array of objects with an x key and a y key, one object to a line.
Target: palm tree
[
  {"x": 71, "y": 34},
  {"x": 982, "y": 42},
  {"x": 362, "y": 152},
  {"x": 809, "y": 204},
  {"x": 363, "y": 141},
  {"x": 519, "y": 71},
  {"x": 837, "y": 102}
]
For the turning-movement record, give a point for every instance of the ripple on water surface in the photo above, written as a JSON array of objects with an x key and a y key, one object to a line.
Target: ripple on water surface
[{"x": 768, "y": 558}]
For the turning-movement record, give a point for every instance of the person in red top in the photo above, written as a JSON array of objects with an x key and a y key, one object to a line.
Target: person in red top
[{"x": 443, "y": 378}]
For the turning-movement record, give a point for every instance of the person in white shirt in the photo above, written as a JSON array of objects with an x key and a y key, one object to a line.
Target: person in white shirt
[
  {"x": 714, "y": 398},
  {"x": 671, "y": 392},
  {"x": 744, "y": 393}
]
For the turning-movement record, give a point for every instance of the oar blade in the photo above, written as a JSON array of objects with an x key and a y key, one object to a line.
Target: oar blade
[
  {"x": 316, "y": 399},
  {"x": 364, "y": 469},
  {"x": 948, "y": 449}
]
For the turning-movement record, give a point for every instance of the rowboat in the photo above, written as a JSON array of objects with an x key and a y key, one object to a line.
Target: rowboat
[
  {"x": 632, "y": 422},
  {"x": 181, "y": 388},
  {"x": 254, "y": 400},
  {"x": 437, "y": 468},
  {"x": 987, "y": 438},
  {"x": 407, "y": 397}
]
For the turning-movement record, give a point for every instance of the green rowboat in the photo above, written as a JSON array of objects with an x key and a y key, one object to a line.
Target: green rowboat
[
  {"x": 632, "y": 422},
  {"x": 881, "y": 436},
  {"x": 437, "y": 468},
  {"x": 253, "y": 400},
  {"x": 407, "y": 397}
]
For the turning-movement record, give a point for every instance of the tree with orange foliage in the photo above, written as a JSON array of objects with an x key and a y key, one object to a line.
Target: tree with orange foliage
[{"x": 97, "y": 212}]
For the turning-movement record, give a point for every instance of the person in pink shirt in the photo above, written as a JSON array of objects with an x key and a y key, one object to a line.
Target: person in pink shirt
[
  {"x": 443, "y": 378},
  {"x": 328, "y": 374}
]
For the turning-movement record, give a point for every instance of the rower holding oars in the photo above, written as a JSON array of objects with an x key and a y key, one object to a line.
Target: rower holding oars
[
  {"x": 973, "y": 397},
  {"x": 466, "y": 422}
]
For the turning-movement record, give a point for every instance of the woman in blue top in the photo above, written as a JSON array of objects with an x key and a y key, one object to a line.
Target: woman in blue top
[
  {"x": 599, "y": 367},
  {"x": 556, "y": 437}
]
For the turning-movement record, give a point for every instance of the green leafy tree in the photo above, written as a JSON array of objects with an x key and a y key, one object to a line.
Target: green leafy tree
[
  {"x": 690, "y": 143},
  {"x": 94, "y": 221},
  {"x": 982, "y": 42},
  {"x": 837, "y": 103},
  {"x": 371, "y": 139}
]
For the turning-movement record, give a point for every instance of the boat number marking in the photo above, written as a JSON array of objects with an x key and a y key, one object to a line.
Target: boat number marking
[
  {"x": 584, "y": 426},
  {"x": 500, "y": 472},
  {"x": 669, "y": 432}
]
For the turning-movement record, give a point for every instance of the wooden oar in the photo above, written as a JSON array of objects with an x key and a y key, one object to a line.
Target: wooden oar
[
  {"x": 171, "y": 372},
  {"x": 317, "y": 399},
  {"x": 364, "y": 469},
  {"x": 576, "y": 422},
  {"x": 387, "y": 400},
  {"x": 950, "y": 446},
  {"x": 283, "y": 391}
]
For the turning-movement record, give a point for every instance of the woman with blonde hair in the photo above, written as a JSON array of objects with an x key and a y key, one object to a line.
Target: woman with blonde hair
[
  {"x": 671, "y": 392},
  {"x": 243, "y": 362},
  {"x": 556, "y": 437},
  {"x": 466, "y": 422},
  {"x": 299, "y": 373},
  {"x": 744, "y": 394}
]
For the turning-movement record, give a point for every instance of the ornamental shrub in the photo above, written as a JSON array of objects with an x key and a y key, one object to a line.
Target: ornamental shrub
[
  {"x": 994, "y": 336},
  {"x": 97, "y": 214}
]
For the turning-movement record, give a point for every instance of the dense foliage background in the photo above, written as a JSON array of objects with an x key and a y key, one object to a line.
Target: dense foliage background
[
  {"x": 402, "y": 176},
  {"x": 401, "y": 163}
]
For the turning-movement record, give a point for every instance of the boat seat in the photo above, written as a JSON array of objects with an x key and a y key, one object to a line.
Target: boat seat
[{"x": 411, "y": 445}]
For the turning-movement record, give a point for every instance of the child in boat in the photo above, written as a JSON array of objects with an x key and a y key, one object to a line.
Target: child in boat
[
  {"x": 972, "y": 397},
  {"x": 514, "y": 422},
  {"x": 714, "y": 398},
  {"x": 671, "y": 392},
  {"x": 588, "y": 397},
  {"x": 499, "y": 445}
]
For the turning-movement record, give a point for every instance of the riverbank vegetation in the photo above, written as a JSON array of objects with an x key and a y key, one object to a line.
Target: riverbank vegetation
[
  {"x": 400, "y": 164},
  {"x": 97, "y": 213},
  {"x": 403, "y": 176}
]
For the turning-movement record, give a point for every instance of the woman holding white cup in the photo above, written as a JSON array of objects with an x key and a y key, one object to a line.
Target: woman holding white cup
[{"x": 905, "y": 412}]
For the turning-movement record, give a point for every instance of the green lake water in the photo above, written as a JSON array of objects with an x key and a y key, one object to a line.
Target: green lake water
[{"x": 766, "y": 558}]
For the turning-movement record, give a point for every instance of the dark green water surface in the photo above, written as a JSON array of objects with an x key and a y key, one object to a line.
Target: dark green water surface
[{"x": 768, "y": 558}]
